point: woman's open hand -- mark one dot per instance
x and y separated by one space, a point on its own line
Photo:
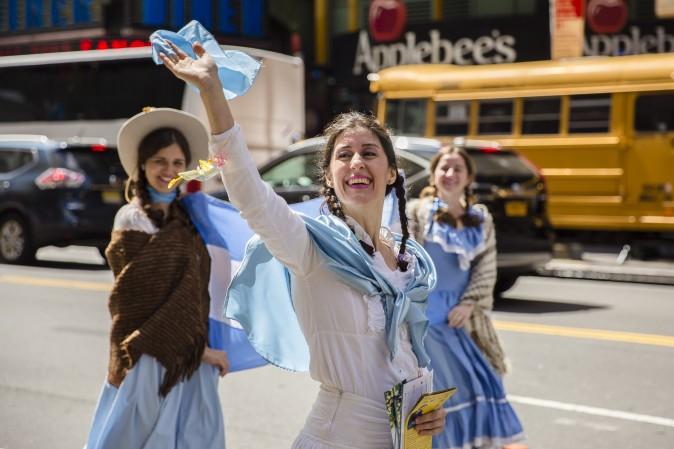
431 423
216 358
201 72
459 315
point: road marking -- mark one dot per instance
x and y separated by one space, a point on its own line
52 282
592 334
596 411
512 326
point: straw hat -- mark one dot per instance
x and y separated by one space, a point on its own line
140 125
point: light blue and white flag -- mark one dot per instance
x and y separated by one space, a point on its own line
225 234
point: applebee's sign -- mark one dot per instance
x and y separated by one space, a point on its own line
487 49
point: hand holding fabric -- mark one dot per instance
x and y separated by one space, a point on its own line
459 315
216 358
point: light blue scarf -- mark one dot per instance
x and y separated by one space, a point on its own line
260 295
236 69
159 197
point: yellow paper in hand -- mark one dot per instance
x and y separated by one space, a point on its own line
427 403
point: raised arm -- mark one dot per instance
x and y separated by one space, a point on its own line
267 214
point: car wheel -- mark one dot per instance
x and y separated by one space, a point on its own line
15 242
503 284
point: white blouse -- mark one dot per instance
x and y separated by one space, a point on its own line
343 329
131 217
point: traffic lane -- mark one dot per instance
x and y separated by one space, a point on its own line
615 376
617 306
547 428
54 339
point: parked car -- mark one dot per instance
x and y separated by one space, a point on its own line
511 187
56 193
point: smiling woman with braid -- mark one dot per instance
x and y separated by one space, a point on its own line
338 295
459 236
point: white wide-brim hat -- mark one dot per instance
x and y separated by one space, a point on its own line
134 130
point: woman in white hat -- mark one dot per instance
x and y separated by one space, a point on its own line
161 389
357 290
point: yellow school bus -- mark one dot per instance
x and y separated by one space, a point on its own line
600 129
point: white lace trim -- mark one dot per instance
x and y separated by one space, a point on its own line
376 318
465 256
131 217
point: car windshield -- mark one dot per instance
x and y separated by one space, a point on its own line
490 165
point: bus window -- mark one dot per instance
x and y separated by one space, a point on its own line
541 115
406 117
654 113
86 91
452 118
589 113
495 117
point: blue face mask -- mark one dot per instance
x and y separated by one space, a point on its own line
158 197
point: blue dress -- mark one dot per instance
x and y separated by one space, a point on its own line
134 416
479 413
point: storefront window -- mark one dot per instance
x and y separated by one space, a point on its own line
480 8
339 17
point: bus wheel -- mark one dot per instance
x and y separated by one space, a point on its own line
16 246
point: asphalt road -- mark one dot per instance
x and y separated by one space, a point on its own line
592 363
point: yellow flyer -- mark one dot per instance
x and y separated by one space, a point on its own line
426 403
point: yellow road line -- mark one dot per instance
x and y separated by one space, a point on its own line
591 334
511 326
52 282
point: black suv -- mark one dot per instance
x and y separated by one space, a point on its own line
56 193
506 183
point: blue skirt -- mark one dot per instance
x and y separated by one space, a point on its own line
134 416
479 413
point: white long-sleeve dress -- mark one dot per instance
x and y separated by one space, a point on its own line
344 330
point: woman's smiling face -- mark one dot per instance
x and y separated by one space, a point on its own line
451 176
163 166
359 170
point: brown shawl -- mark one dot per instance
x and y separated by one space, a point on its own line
480 288
159 303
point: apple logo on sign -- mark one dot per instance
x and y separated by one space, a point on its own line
387 19
606 16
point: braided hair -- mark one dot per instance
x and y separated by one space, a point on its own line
354 120
148 147
443 215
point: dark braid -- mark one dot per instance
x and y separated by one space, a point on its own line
333 202
140 190
399 186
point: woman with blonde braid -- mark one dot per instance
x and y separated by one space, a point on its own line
460 239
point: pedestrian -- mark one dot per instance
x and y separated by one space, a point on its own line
459 236
161 390
357 290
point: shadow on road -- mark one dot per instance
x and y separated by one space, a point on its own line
519 305
63 265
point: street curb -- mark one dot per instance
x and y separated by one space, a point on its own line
580 269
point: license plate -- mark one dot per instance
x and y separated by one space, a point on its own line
516 208
111 197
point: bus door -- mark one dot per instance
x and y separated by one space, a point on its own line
651 162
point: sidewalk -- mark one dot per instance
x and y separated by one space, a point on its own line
605 266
